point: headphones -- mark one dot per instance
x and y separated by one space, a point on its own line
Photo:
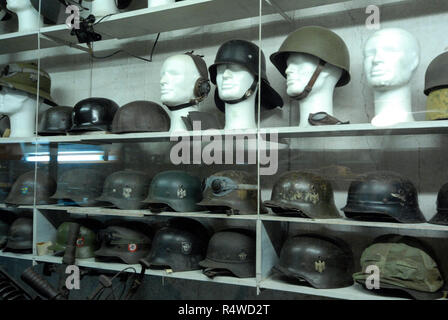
202 86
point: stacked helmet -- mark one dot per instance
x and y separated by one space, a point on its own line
441 216
81 186
125 189
245 54
22 192
323 262
231 191
141 116
383 196
174 190
303 194
24 77
93 114
123 243
20 237
86 242
318 42
180 246
56 120
230 252
436 88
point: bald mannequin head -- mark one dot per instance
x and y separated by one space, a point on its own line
391 57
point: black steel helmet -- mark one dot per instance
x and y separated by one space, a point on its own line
81 186
246 54
123 243
126 189
179 246
441 216
56 120
50 10
304 194
93 114
20 237
231 191
141 116
323 262
233 251
22 192
175 190
383 196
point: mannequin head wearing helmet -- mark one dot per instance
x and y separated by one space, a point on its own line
233 81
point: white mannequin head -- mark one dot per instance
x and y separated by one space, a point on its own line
29 18
177 80
103 8
19 5
390 58
156 3
233 81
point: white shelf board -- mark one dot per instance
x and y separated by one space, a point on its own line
16 255
18 41
348 222
17 140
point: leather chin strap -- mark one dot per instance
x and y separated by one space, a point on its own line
213 272
184 105
246 96
310 85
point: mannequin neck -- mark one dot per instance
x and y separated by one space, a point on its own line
23 123
317 101
103 8
393 106
177 124
241 115
29 19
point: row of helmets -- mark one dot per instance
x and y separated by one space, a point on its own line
16 234
402 263
231 191
180 244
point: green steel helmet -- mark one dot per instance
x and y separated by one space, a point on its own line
20 237
175 190
303 194
436 76
126 189
80 187
22 192
231 191
24 77
318 42
86 243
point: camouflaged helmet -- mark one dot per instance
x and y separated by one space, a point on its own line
22 192
126 189
322 262
174 190
441 216
93 114
230 252
20 237
179 246
383 196
232 192
24 77
303 194
56 121
436 88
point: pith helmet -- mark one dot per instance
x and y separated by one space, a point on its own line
318 42
55 121
24 77
22 192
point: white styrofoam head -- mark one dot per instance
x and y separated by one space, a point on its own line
18 5
233 81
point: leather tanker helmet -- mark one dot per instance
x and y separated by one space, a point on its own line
180 246
20 237
383 196
231 191
436 88
93 114
141 116
245 54
322 262
124 244
441 216
126 189
303 194
56 121
79 187
231 253
318 42
22 192
174 190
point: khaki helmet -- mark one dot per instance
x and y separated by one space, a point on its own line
318 42
436 88
24 77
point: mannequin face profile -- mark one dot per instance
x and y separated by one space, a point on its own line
12 101
390 58
177 80
233 81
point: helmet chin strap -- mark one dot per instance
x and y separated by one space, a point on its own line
246 96
310 85
183 105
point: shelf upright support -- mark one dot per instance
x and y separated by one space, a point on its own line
280 11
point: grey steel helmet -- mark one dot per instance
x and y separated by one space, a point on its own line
20 237
80 187
22 192
126 189
436 76
56 121
230 252
174 190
